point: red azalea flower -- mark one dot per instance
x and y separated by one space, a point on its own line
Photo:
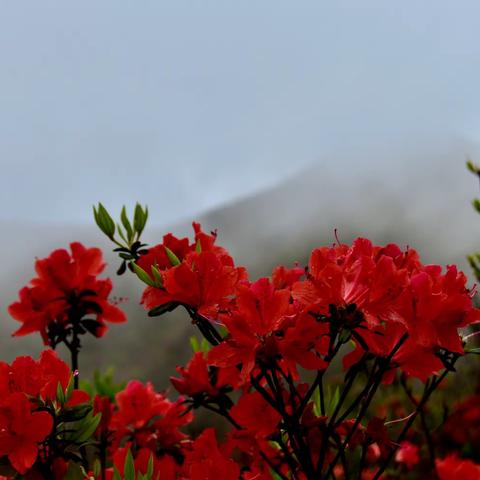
206 462
41 378
250 448
66 283
148 417
368 276
437 306
253 413
411 358
157 255
463 425
259 311
263 326
302 343
407 454
204 279
453 467
286 277
394 294
345 428
103 405
314 427
59 468
378 432
196 379
21 430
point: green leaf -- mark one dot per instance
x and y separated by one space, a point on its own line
475 351
60 394
174 260
116 474
222 330
70 387
104 384
476 204
76 413
87 387
89 425
150 467
316 402
96 216
198 246
140 218
97 468
331 400
474 262
194 344
104 221
205 347
126 223
129 468
472 167
122 235
345 336
98 221
157 276
161 309
143 275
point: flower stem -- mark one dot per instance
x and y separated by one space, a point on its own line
74 347
403 433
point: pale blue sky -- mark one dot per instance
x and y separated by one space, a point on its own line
186 105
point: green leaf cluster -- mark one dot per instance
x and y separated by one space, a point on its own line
153 281
103 384
128 230
129 472
199 346
129 247
63 396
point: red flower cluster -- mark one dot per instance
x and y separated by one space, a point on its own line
395 310
197 379
39 379
394 296
28 395
453 467
148 424
264 324
144 422
386 299
21 430
271 343
65 290
463 425
200 275
206 461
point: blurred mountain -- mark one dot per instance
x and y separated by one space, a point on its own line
416 199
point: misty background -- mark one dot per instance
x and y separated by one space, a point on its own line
272 121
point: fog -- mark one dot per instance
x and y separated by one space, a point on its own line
188 105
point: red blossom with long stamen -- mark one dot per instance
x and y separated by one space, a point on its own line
66 280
